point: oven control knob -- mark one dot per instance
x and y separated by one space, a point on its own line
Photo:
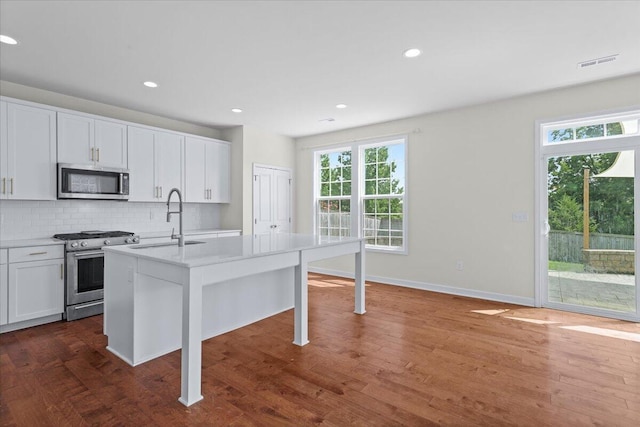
136 239
83 244
107 242
74 244
128 240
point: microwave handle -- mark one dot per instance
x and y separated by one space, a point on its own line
121 184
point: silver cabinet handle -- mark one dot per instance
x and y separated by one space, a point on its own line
38 253
156 194
11 185
98 151
62 271
92 153
4 185
161 191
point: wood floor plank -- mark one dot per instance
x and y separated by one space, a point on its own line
415 358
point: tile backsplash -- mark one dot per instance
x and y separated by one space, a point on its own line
26 219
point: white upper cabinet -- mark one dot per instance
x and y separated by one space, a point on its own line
207 170
85 140
27 152
155 164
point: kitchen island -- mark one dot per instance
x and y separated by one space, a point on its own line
158 298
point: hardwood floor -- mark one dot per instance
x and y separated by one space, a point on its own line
414 359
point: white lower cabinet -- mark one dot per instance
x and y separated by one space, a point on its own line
35 288
4 290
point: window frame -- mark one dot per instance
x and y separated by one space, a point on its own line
357 197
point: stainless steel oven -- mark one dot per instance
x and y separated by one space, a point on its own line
84 269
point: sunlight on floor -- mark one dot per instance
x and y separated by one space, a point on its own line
629 336
536 321
490 312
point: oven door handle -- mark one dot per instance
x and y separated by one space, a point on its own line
88 254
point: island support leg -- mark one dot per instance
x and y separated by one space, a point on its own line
360 280
301 301
191 366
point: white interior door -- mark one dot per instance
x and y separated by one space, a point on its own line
271 200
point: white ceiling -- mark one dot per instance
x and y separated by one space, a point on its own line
288 63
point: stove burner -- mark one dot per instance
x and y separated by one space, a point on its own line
92 234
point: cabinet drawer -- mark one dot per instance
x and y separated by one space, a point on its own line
3 256
36 253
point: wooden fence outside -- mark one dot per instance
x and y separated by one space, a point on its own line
566 246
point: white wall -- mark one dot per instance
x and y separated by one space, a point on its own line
469 170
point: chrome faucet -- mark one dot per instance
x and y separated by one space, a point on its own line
180 236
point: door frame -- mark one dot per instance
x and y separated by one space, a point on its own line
253 195
542 154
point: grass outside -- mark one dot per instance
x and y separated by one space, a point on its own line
566 266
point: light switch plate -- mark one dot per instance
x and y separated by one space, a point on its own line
519 217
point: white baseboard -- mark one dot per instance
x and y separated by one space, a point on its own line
491 296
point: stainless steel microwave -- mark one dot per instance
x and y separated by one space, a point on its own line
77 181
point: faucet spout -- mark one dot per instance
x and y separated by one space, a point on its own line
179 236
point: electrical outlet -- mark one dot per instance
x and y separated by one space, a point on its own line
459 265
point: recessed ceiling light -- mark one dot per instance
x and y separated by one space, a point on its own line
236 110
412 53
328 119
150 84
341 106
7 39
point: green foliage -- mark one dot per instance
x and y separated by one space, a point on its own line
611 199
566 215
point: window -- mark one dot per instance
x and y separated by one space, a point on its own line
600 128
360 191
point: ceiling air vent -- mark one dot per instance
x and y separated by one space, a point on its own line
598 61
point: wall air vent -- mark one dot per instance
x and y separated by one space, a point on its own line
598 61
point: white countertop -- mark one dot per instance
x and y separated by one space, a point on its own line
21 243
225 249
45 241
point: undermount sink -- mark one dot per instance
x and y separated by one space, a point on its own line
160 245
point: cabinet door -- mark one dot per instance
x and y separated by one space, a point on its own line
4 291
168 156
4 141
195 161
142 187
75 139
31 153
111 144
35 289
218 159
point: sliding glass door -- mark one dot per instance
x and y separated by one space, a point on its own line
588 190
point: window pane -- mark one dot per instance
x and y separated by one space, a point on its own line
324 190
346 188
560 135
370 171
336 189
384 186
594 131
370 187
